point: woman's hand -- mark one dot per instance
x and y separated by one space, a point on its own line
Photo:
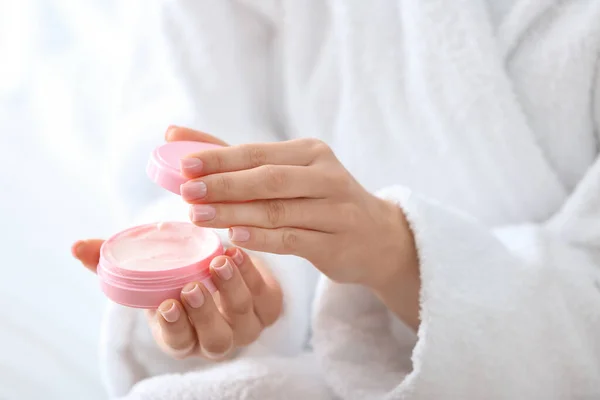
296 198
248 300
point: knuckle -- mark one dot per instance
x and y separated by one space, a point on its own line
203 317
242 305
255 286
289 240
275 178
217 161
179 346
320 147
223 183
340 182
175 333
275 210
218 345
256 156
248 336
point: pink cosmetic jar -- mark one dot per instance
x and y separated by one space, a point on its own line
143 266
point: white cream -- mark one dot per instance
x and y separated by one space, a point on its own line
162 246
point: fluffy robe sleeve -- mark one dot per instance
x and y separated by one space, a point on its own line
506 313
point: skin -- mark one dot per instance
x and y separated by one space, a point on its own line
291 197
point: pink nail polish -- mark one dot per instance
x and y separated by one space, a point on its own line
193 296
223 268
203 212
239 234
191 166
193 190
237 257
171 314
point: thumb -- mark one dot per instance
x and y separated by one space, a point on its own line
87 252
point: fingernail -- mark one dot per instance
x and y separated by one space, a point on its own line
170 131
237 257
239 234
190 166
76 249
203 212
223 268
170 314
193 190
193 296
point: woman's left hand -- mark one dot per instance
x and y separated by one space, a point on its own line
296 198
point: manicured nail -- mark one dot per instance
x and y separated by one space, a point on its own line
193 190
170 131
222 266
76 249
239 234
194 296
237 257
191 166
203 212
170 314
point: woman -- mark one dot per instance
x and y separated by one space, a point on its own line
481 122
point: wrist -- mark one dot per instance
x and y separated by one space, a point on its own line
398 284
397 253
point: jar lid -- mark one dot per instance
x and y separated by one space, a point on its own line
164 166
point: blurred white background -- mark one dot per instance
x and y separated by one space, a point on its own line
59 75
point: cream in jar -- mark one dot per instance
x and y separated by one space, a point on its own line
145 265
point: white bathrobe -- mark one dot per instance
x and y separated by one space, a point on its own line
480 119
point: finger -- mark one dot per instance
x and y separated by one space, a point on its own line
314 214
266 182
264 288
299 152
215 336
87 252
177 336
300 242
177 133
236 301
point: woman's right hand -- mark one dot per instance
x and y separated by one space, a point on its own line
249 299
